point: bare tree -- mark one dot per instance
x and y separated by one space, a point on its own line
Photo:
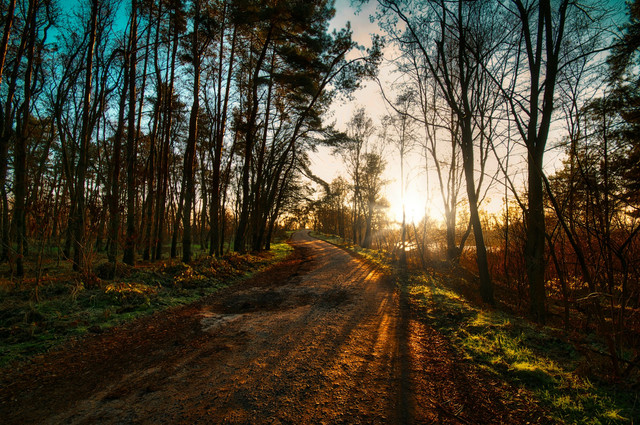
190 154
85 133
360 128
402 126
128 256
461 37
543 44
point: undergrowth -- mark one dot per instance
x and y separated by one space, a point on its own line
514 349
33 319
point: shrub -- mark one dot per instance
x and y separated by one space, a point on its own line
131 293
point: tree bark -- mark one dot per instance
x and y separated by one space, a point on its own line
189 157
128 256
22 133
79 245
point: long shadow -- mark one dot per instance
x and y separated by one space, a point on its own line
405 401
403 405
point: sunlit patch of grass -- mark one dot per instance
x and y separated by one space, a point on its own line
131 292
521 353
379 258
336 240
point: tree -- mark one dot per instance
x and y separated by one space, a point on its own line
68 105
34 33
624 77
588 198
372 185
545 43
190 154
220 120
360 128
625 51
437 118
85 132
294 56
170 115
128 256
462 35
402 125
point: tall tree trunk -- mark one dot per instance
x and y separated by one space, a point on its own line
130 239
176 228
215 215
6 130
486 285
190 154
355 214
85 133
114 195
148 220
548 39
243 220
151 171
261 211
368 237
20 152
163 171
226 178
403 237
534 247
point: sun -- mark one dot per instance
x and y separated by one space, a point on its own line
415 206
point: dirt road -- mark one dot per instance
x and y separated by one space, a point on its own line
320 338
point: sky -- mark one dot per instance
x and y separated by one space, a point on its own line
421 195
327 166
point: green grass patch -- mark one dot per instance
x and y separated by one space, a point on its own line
32 322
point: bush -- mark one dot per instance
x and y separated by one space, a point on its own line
131 293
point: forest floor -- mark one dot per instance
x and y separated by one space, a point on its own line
322 337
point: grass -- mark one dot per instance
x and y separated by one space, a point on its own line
514 349
65 307
523 354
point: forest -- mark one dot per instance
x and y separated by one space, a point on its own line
484 92
129 127
151 134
